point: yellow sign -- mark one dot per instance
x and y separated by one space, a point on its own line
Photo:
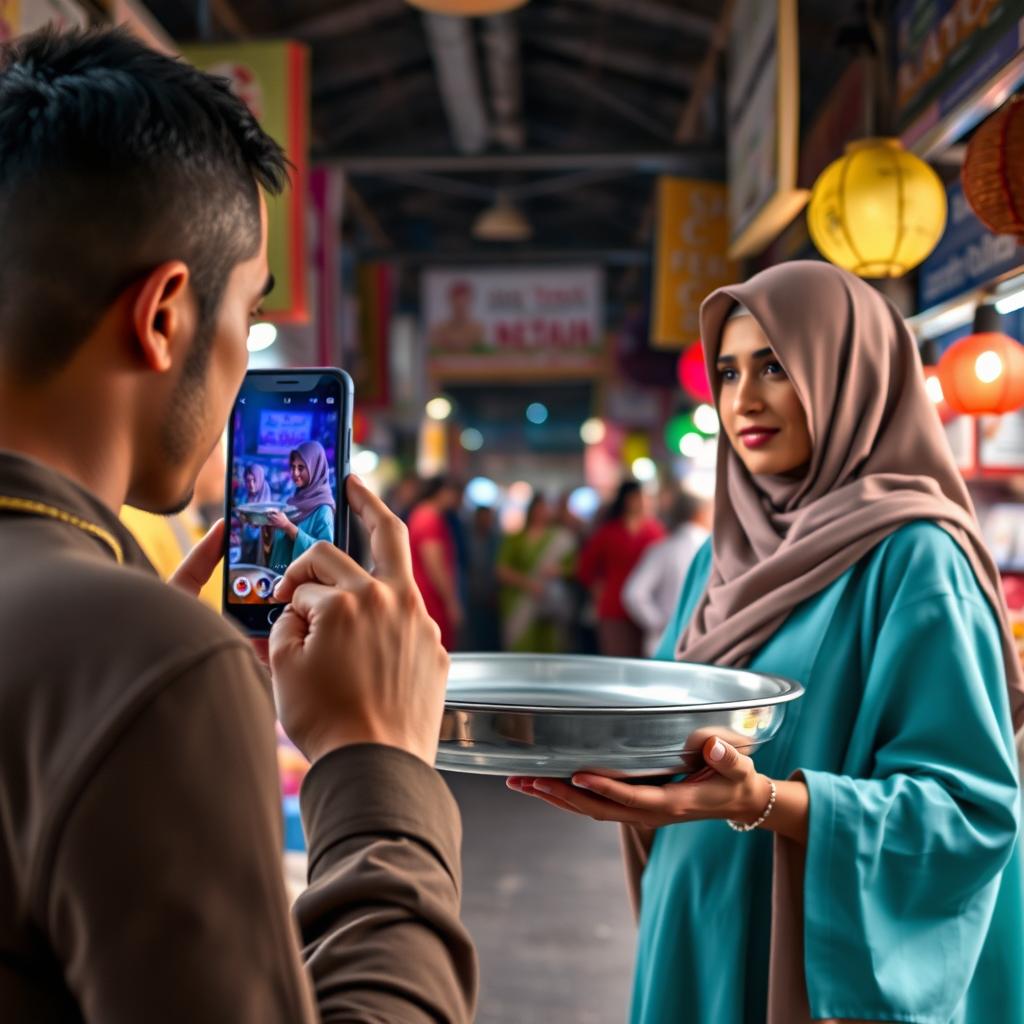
690 256
273 79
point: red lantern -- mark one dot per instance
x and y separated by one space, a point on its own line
993 171
983 375
693 375
934 388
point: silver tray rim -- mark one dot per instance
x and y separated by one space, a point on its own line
792 690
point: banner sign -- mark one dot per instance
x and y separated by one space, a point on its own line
273 79
690 256
283 432
968 255
763 103
947 48
514 321
20 16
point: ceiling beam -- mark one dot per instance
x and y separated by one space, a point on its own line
663 15
689 121
337 121
696 161
633 64
607 97
346 19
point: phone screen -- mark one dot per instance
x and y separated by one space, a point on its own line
289 442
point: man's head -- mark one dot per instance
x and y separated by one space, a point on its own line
132 241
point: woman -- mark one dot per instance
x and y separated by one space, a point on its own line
846 555
606 563
315 506
532 567
256 540
434 552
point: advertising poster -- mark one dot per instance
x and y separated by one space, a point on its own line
763 103
967 256
947 48
690 256
514 321
273 79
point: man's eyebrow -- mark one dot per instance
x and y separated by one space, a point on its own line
268 286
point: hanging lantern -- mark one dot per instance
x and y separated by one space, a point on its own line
933 386
693 374
878 210
993 171
983 375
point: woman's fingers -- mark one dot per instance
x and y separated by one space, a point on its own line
659 799
568 797
726 760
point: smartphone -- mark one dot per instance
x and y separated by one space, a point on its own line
289 447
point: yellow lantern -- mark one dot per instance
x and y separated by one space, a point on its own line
877 210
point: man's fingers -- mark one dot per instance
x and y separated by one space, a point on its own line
194 573
389 539
322 563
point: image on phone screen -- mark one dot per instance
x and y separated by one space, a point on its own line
288 453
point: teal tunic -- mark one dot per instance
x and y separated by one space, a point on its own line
318 526
914 879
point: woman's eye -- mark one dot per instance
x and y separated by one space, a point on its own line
774 369
728 375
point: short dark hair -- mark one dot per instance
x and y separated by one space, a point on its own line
684 509
113 159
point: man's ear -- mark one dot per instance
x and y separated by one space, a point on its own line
162 309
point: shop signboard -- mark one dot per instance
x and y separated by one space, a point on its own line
690 256
763 102
945 49
273 79
20 16
1001 443
513 321
968 255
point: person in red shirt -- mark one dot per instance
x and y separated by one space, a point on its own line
434 562
606 562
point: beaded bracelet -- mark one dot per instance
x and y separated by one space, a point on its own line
764 817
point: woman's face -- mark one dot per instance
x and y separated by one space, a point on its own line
759 408
300 472
250 483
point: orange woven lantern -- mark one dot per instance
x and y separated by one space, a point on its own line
983 375
993 171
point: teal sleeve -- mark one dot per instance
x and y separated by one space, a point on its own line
693 587
902 866
319 526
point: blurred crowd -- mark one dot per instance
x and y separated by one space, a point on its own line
559 584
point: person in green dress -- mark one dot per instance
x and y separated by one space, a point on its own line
314 502
533 566
882 878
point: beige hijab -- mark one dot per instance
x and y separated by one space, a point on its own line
880 460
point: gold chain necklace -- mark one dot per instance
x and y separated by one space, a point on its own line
38 508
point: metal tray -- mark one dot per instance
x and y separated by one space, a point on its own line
257 513
553 715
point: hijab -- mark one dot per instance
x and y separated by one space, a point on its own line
263 492
318 491
879 461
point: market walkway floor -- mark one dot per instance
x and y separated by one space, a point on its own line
545 900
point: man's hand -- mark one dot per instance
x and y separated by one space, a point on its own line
356 658
194 573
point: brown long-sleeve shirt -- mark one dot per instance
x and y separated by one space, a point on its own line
140 820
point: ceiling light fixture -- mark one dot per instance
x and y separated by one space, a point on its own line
502 222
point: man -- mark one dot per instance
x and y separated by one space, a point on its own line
652 591
140 828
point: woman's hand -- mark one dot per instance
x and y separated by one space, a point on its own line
729 787
279 521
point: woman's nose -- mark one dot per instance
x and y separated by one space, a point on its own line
748 396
